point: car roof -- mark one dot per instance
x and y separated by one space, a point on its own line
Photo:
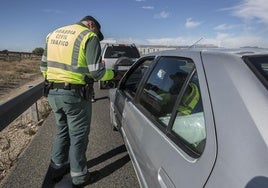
231 51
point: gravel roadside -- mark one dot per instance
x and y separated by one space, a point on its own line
16 137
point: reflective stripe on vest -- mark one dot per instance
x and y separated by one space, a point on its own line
190 100
76 47
72 68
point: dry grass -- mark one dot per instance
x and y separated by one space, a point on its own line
17 73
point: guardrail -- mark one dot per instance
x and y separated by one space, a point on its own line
17 56
13 108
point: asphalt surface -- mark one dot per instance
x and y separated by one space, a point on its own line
106 153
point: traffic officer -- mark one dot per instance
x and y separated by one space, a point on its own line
70 63
189 100
191 96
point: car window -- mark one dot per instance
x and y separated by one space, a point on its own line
189 123
135 75
121 51
163 86
259 65
172 96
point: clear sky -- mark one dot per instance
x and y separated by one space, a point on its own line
225 23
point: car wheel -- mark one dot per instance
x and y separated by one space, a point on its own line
101 85
115 128
107 84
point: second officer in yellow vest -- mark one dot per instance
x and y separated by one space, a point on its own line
71 60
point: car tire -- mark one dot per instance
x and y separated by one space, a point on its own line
115 128
123 61
101 84
107 84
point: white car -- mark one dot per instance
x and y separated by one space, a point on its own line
118 57
196 118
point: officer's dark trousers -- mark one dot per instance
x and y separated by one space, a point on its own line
73 116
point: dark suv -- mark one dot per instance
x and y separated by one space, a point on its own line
118 57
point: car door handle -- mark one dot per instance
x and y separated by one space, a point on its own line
164 179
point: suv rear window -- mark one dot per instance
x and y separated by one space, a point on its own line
121 51
259 65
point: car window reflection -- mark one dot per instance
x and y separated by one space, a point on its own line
133 79
160 90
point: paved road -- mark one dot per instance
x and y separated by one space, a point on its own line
106 153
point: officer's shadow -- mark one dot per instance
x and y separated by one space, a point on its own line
101 98
105 171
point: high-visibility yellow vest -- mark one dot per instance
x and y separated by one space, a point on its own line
189 101
65 55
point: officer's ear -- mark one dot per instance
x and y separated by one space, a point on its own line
91 25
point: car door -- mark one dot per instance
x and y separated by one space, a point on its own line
128 87
169 149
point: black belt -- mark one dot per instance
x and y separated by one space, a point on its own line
65 85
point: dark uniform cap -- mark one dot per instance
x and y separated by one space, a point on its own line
90 18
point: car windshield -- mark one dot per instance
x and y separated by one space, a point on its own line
259 65
121 51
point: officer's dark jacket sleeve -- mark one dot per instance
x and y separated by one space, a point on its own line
93 57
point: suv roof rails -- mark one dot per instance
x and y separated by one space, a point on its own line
116 44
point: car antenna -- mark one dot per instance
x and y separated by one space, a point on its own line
195 43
